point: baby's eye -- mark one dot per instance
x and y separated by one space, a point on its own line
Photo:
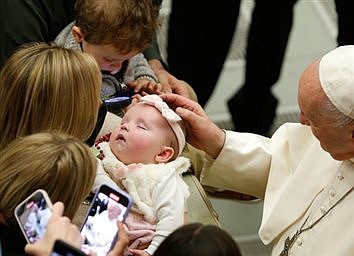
142 126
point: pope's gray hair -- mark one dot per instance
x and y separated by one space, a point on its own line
339 119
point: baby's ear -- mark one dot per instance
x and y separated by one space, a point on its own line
165 154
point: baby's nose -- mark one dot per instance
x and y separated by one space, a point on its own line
125 127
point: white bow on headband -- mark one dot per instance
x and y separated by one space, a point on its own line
171 117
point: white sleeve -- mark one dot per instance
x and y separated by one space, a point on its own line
169 203
246 159
242 165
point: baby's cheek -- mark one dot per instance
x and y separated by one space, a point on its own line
114 134
142 145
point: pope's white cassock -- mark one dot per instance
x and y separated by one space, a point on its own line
303 187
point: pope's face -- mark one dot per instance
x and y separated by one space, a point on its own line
337 141
113 210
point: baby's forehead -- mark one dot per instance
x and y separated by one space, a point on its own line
144 111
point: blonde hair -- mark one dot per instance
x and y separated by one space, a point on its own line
46 87
60 164
128 25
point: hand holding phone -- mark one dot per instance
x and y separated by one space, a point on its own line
33 214
99 228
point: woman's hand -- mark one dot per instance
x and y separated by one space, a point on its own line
122 242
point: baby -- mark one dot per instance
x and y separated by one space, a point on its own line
142 156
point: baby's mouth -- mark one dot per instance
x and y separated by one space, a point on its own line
120 137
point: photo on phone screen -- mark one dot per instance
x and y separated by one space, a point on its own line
99 228
33 215
64 249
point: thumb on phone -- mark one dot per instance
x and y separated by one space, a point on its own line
122 242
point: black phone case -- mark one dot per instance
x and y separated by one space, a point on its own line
64 249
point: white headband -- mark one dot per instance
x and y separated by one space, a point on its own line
336 72
172 118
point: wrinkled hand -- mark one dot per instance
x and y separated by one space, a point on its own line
59 227
202 133
122 242
169 83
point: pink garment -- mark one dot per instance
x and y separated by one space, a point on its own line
140 231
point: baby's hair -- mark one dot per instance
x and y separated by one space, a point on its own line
128 25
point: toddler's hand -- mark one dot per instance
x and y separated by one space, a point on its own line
144 87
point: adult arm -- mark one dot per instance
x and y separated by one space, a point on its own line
243 165
236 161
153 51
169 83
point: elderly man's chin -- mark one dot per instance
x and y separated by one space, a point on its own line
341 156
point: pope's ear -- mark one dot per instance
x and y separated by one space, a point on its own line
76 31
165 154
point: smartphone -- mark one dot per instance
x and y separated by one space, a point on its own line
99 228
64 249
118 101
33 215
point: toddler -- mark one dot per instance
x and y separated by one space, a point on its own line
115 33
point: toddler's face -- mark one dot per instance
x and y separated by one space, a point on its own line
142 134
107 56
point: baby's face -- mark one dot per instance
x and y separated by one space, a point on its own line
141 136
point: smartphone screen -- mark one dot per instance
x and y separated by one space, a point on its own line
63 249
33 215
99 228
